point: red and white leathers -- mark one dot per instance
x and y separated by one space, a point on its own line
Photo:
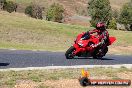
103 36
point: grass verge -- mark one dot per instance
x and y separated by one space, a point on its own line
39 77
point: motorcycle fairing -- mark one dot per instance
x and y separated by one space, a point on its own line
111 40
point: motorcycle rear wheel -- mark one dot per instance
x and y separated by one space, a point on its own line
99 56
69 53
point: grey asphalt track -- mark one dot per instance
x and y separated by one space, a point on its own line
22 59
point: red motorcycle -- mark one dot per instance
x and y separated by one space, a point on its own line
83 46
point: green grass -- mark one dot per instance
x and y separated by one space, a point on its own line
10 78
18 31
124 38
27 32
22 1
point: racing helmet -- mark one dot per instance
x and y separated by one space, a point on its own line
101 26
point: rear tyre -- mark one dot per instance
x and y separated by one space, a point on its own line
98 55
105 51
69 53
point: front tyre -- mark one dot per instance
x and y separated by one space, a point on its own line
69 53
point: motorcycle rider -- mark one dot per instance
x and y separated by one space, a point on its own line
102 34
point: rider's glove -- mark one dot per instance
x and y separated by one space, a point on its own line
96 45
93 46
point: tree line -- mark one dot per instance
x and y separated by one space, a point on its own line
99 10
54 12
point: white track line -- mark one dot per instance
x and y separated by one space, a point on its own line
129 66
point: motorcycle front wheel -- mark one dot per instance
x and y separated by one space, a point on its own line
69 53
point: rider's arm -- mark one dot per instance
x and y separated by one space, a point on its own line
103 37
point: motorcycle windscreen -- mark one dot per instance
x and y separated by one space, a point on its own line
111 40
86 36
